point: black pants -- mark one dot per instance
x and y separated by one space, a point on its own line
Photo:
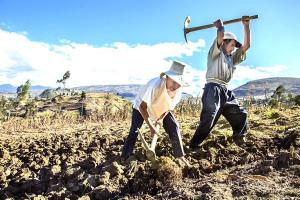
170 125
217 100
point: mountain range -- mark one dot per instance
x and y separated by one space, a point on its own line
7 88
265 86
258 87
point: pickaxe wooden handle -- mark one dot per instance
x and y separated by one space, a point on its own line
188 20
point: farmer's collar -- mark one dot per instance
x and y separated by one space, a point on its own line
225 53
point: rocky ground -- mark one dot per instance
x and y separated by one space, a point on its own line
82 161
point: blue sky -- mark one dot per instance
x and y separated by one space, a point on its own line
119 42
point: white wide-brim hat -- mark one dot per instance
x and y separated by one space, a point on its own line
176 72
232 36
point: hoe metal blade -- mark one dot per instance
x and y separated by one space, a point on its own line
150 151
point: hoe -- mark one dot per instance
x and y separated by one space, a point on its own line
150 150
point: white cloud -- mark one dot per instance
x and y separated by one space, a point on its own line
249 72
118 63
195 80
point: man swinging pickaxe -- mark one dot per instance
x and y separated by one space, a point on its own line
224 56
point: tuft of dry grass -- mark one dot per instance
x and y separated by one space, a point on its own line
168 172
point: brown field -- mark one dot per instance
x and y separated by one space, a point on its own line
59 155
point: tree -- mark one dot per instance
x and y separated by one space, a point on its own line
273 102
23 92
280 90
291 98
277 98
65 77
83 95
3 102
3 107
297 100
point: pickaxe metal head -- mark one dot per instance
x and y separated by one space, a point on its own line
186 24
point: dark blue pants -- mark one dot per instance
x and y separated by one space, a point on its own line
217 100
170 125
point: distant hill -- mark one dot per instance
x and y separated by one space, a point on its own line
7 88
268 85
255 88
126 91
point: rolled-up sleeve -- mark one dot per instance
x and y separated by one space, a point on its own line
146 94
214 51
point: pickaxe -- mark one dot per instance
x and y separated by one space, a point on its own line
188 20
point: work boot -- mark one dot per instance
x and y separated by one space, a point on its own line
194 147
239 139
